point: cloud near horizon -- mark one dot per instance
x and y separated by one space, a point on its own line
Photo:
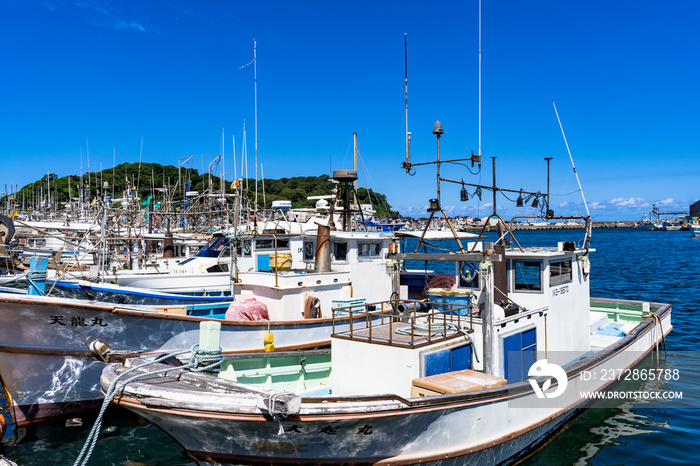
630 202
666 202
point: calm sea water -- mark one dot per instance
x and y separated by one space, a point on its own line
652 266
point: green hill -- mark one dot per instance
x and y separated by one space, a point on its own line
151 178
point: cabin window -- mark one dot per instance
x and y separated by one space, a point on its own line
340 251
560 272
527 275
452 359
468 275
308 250
269 243
218 268
214 248
519 352
368 249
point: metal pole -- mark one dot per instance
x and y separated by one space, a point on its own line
548 159
490 336
438 170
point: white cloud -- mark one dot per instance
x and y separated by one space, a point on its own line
131 25
93 6
597 206
666 202
621 202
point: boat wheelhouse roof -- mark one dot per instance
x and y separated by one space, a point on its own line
436 234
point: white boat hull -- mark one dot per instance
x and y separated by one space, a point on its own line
492 426
47 370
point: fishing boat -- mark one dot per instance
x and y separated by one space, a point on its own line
493 363
695 228
645 224
49 334
477 381
669 225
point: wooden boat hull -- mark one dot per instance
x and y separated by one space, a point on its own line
490 426
47 370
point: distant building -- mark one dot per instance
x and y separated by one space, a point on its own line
695 209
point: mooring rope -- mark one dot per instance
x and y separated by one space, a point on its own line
200 360
271 408
39 276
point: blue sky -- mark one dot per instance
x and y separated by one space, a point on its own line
623 74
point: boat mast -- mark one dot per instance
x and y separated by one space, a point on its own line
255 75
405 86
223 166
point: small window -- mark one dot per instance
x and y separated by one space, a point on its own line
559 273
264 244
269 243
218 268
527 276
340 251
368 249
214 248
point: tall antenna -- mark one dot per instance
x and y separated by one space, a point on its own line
138 179
479 78
254 62
233 144
405 86
114 162
223 165
255 75
87 142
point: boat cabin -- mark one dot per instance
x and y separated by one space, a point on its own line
287 283
546 315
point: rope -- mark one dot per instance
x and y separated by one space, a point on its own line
197 357
38 276
657 321
16 278
271 408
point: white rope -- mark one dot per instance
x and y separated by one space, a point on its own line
197 357
271 408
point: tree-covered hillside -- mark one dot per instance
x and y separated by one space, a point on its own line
167 180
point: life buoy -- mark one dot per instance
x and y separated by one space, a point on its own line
309 250
467 272
312 308
7 229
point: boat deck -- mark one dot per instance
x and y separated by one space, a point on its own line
405 332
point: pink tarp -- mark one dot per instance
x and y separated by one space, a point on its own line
249 309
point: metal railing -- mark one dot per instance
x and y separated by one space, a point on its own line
423 322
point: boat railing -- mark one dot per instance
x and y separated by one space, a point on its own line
404 323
